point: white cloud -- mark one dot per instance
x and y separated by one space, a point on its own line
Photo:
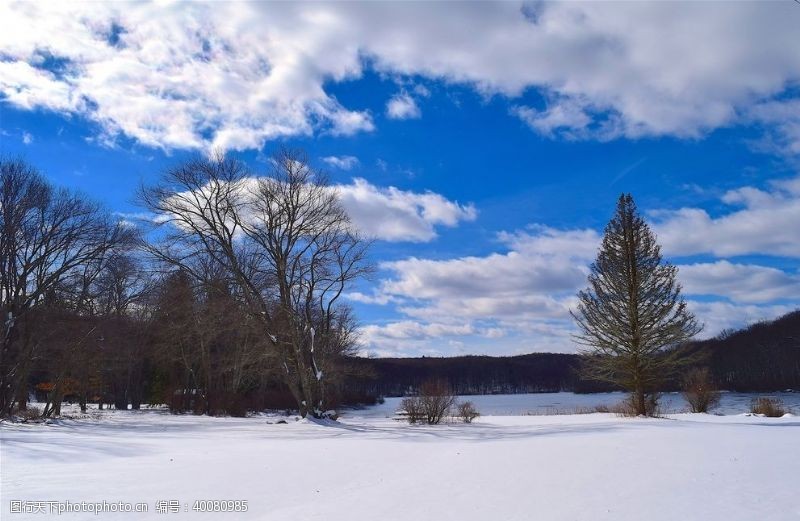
233 75
27 138
763 222
718 316
392 214
414 338
384 213
374 298
537 277
341 162
193 76
739 282
783 119
493 299
567 117
523 295
409 329
402 106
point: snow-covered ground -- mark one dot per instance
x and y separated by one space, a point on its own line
575 467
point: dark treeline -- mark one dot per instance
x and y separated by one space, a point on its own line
225 299
762 357
533 373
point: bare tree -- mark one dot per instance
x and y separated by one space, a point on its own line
209 344
699 390
46 235
123 313
287 244
632 316
467 411
433 402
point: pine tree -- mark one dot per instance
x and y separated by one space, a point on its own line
632 316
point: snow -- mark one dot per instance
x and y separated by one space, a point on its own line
566 467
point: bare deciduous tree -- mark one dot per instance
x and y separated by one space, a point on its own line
46 236
699 390
431 405
285 241
467 411
632 316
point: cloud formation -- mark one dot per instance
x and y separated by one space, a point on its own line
402 106
524 294
392 214
741 283
760 221
341 162
232 75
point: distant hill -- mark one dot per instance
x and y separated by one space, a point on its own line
537 372
762 357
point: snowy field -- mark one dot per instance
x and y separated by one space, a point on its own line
570 467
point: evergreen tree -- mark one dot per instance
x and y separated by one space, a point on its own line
632 316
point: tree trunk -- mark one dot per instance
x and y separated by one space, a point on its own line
22 398
639 401
120 399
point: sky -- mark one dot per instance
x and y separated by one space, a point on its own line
482 146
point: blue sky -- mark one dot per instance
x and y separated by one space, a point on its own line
482 145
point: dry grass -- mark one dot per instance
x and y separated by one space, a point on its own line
31 414
556 411
770 407
627 409
467 412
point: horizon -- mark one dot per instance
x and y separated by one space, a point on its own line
485 183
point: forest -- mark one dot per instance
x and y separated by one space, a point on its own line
228 300
228 296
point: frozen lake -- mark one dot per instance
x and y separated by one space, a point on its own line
552 403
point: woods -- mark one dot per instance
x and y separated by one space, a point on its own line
235 285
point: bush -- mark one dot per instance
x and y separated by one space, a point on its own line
31 413
467 412
770 407
431 405
412 409
699 390
627 406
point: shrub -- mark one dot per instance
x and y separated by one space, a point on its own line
627 407
467 412
699 390
30 414
431 404
770 407
412 408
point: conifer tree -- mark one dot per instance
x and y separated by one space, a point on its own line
632 316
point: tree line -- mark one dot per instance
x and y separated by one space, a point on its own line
232 288
762 357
